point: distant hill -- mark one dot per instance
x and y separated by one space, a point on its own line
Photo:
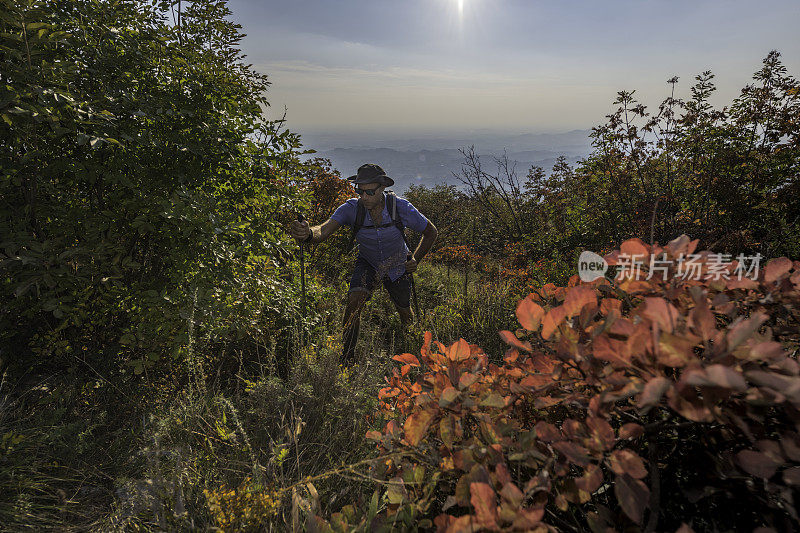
432 159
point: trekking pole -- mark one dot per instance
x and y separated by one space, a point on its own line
302 273
414 292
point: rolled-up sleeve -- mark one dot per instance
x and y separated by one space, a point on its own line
410 216
345 214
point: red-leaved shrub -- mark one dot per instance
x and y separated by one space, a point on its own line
643 405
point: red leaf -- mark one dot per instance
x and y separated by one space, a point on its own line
632 496
660 312
652 393
715 376
631 430
702 320
417 425
675 350
512 494
591 480
776 268
633 247
458 351
535 381
689 405
546 432
757 464
448 396
485 505
407 358
607 349
577 297
529 314
512 340
552 320
466 380
627 462
791 476
602 432
742 330
610 304
574 452
527 519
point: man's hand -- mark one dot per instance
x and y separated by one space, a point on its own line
411 265
299 230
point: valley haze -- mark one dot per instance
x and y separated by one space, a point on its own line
431 158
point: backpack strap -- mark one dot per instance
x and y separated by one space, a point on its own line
361 213
391 199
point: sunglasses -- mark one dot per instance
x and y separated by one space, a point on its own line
368 192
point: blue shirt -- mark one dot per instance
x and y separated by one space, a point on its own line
383 248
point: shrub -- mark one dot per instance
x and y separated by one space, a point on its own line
644 405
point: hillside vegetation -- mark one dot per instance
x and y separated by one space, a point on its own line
158 372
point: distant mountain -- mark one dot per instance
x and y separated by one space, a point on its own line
432 159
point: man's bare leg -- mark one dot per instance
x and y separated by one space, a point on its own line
352 321
406 316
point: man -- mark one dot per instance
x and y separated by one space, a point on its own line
382 252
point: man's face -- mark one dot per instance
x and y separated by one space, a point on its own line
375 199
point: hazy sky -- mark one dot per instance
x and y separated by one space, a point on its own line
514 65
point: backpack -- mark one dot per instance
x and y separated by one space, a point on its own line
361 213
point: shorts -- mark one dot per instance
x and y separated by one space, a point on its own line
364 278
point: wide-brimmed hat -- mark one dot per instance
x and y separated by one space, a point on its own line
371 173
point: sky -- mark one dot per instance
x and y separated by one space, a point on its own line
500 65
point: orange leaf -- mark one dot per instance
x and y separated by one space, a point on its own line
776 268
741 330
536 380
611 350
483 500
552 320
529 314
632 496
577 297
631 430
448 396
417 425
702 321
466 380
528 518
715 376
547 432
574 452
653 391
675 350
512 494
627 462
591 480
609 304
602 433
511 339
407 358
633 247
661 312
757 464
458 351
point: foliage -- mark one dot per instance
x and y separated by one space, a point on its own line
725 175
136 169
631 405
